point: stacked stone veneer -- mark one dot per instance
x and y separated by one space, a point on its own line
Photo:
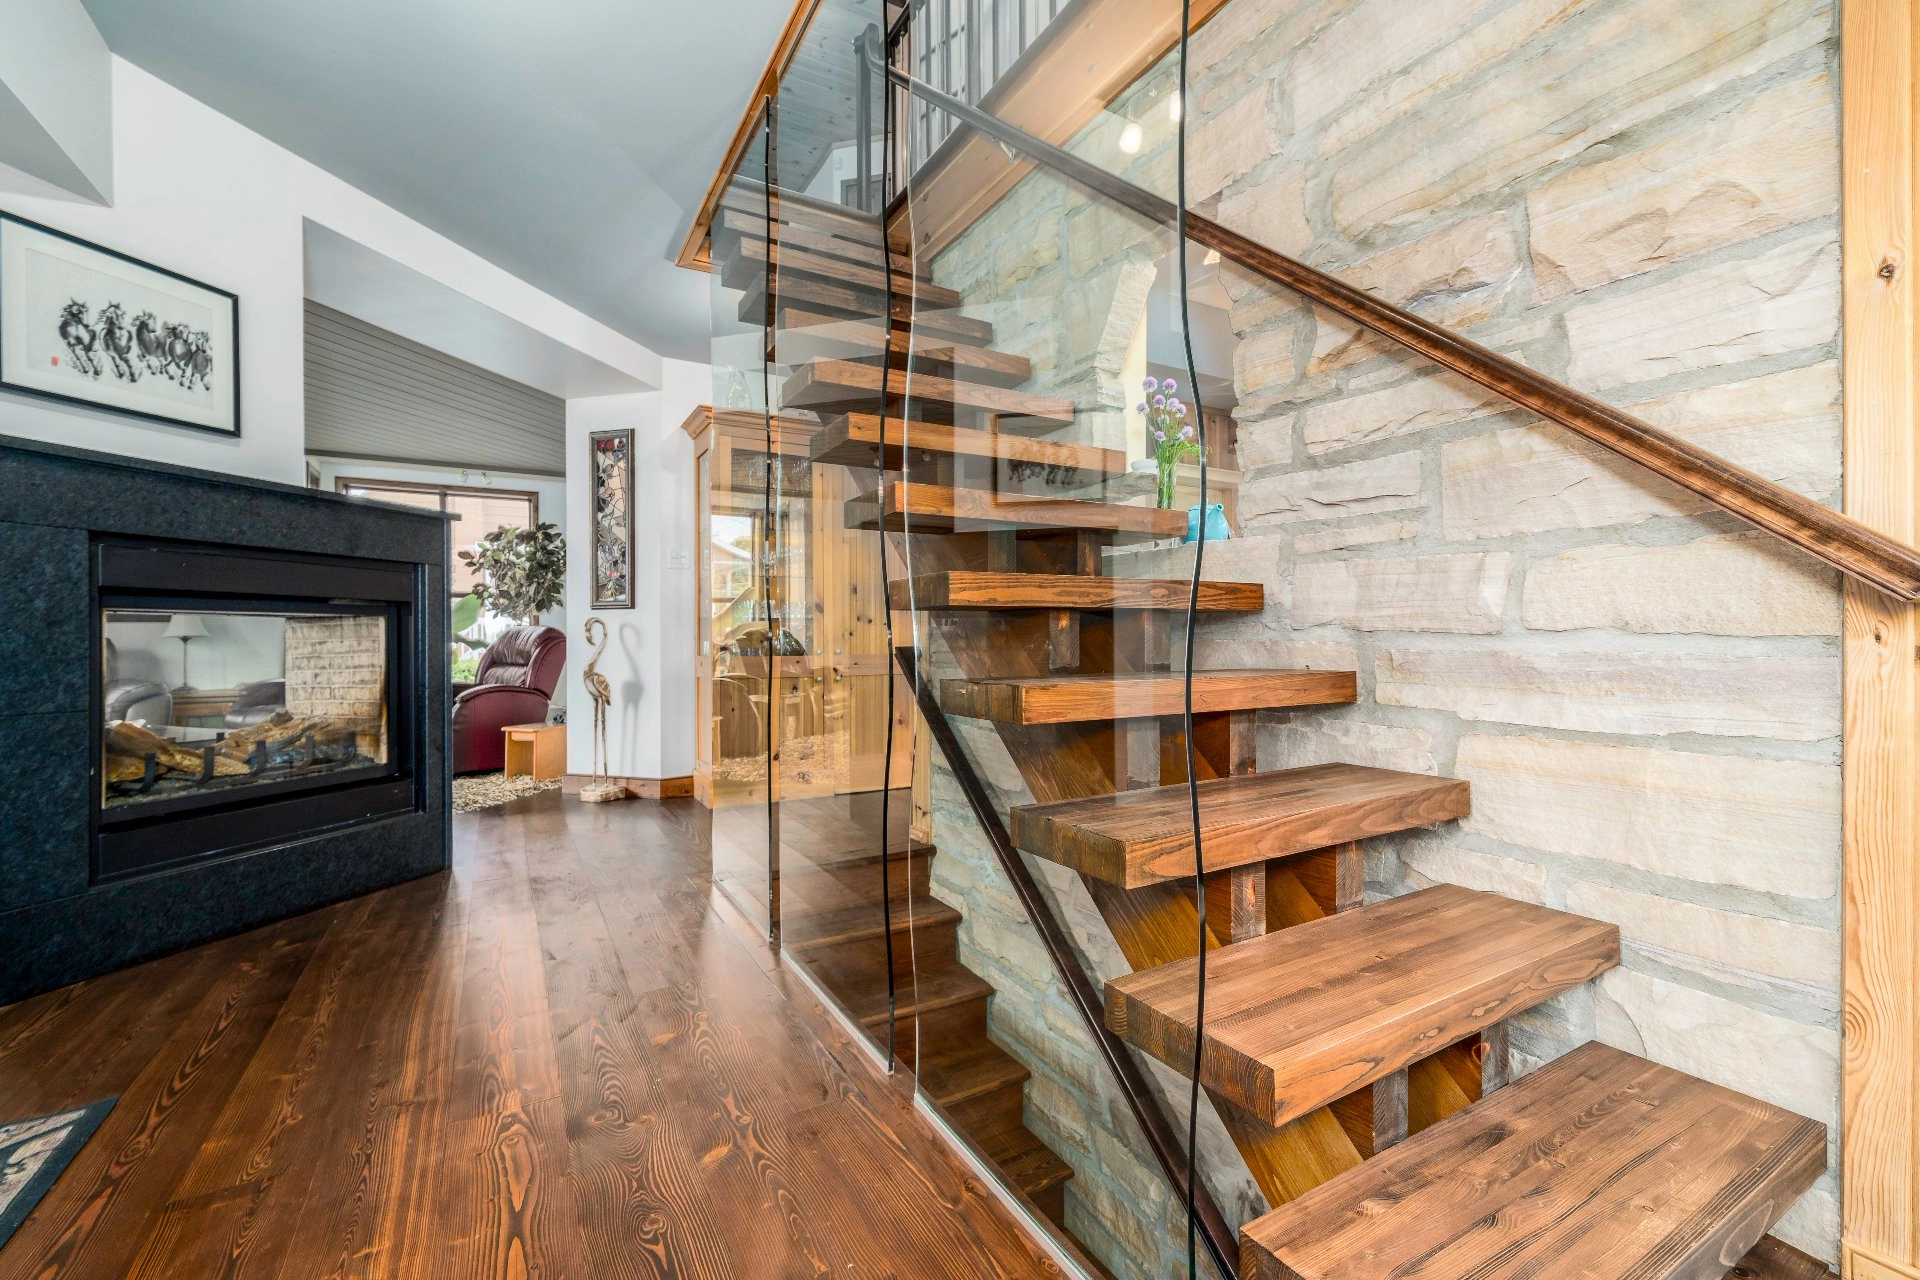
1641 200
337 669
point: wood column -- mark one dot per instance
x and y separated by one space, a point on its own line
1880 1172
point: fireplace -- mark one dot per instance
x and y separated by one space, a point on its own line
244 698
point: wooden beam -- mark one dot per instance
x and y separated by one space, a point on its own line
1880 1179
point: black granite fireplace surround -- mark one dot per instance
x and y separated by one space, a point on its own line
101 867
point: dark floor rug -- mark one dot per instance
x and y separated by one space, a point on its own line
33 1154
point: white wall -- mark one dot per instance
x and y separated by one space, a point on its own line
650 648
56 97
196 193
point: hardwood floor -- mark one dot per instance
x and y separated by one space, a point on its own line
562 1059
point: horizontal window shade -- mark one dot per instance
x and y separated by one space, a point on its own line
374 394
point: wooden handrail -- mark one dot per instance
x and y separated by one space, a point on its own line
1883 563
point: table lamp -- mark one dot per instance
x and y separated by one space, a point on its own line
185 627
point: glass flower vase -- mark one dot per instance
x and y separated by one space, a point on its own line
1164 496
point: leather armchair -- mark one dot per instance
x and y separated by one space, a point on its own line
514 685
254 702
142 700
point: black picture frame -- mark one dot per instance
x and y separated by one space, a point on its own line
216 296
599 596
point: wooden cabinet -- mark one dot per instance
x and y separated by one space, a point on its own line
792 633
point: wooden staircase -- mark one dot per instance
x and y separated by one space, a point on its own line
836 927
1356 1053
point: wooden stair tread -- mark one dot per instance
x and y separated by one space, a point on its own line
853 440
1600 1165
792 263
936 987
1032 1166
1300 1018
924 508
1138 838
808 336
822 295
1124 695
855 241
1774 1259
984 589
848 386
816 930
969 1071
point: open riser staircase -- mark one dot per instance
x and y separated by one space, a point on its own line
1355 1052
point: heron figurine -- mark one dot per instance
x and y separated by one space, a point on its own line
600 690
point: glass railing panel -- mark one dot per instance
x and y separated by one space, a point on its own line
846 758
1044 554
737 731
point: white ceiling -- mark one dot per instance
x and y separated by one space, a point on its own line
567 141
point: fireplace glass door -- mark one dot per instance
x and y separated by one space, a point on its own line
212 705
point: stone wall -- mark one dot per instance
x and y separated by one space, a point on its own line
1641 200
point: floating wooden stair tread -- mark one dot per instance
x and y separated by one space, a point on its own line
1772 1259
854 441
1302 1017
1031 1165
1138 838
793 264
807 336
859 304
816 931
848 386
856 242
930 992
1075 699
980 589
924 508
968 1071
1599 1165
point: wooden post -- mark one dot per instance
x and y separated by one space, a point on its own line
1880 1110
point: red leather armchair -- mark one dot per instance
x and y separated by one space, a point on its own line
517 676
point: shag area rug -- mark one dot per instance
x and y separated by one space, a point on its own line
487 790
33 1153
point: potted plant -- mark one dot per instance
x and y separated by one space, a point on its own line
522 573
1171 435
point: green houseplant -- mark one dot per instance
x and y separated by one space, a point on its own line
522 574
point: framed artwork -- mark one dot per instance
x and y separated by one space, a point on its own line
89 326
611 456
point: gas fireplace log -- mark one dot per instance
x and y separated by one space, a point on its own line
128 740
281 732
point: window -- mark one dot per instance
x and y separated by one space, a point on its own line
481 512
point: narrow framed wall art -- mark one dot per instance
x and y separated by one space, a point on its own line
611 458
86 325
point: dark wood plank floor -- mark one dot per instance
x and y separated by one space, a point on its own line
561 1060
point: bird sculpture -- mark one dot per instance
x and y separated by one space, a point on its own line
601 691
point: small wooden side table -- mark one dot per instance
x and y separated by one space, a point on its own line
537 749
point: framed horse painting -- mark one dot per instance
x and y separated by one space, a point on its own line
90 326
